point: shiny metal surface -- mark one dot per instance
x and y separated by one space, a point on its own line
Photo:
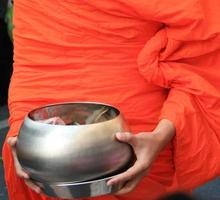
72 153
80 190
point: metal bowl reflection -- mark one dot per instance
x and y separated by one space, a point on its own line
78 146
80 190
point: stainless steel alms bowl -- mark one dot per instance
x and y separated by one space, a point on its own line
80 190
72 142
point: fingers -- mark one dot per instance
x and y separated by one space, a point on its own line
130 174
19 171
141 165
130 185
32 185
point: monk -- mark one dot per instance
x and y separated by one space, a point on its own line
157 61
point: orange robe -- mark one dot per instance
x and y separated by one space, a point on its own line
151 59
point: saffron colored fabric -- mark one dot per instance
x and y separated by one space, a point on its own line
151 59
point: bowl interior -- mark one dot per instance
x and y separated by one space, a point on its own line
74 113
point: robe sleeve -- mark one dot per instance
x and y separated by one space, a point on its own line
184 57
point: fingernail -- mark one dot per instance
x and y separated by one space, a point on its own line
109 183
119 134
26 176
37 190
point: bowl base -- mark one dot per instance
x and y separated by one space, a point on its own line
81 189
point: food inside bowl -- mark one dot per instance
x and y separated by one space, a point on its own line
86 117
54 120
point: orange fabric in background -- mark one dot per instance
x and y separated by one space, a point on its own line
151 59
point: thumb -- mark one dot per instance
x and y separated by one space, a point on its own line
126 137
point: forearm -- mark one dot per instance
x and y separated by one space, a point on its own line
164 132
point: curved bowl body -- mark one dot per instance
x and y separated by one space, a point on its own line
72 153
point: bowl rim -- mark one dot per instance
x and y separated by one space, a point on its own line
27 117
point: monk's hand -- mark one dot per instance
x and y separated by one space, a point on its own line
19 171
146 147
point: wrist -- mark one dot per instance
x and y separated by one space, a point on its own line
164 132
